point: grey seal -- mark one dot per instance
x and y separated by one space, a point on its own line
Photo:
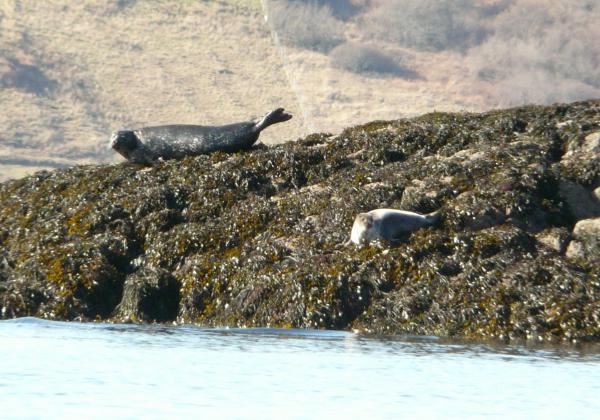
149 144
388 224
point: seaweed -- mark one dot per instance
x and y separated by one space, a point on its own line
256 238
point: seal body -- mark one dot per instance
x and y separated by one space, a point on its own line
149 144
388 224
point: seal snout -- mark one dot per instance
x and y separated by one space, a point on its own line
114 137
362 228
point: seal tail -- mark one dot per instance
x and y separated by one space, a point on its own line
434 218
273 117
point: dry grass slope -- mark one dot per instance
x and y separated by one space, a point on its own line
144 63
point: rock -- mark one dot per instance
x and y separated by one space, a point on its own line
587 239
423 197
472 214
562 124
591 144
575 250
581 162
580 201
149 295
414 195
470 155
554 238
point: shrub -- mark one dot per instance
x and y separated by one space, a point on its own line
429 25
341 9
559 38
26 77
540 87
305 25
362 59
541 51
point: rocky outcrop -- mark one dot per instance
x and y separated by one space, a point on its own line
257 238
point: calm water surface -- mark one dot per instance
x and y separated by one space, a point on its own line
59 370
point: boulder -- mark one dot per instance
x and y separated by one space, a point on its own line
586 241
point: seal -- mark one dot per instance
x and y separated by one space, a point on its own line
388 224
149 144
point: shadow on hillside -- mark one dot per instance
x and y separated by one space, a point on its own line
25 77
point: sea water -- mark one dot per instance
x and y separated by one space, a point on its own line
73 370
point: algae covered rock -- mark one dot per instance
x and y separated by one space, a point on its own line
149 295
257 238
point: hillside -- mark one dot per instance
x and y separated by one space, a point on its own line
99 67
70 74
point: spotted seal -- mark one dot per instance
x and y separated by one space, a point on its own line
388 224
149 144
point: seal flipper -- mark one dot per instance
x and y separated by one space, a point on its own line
142 156
273 117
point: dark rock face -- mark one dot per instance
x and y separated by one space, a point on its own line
255 238
149 295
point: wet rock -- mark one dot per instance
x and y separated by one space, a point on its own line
149 295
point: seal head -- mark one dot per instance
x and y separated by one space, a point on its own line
123 142
363 229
